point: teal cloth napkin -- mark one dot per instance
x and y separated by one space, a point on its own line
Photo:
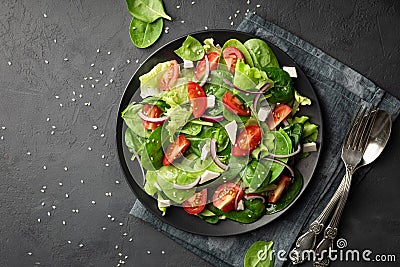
340 90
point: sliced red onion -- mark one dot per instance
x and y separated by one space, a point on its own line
206 73
282 163
214 156
286 156
140 165
144 117
240 90
255 100
237 198
213 119
156 185
285 122
187 186
251 196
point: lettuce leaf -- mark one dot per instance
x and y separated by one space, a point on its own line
310 130
247 77
178 117
177 95
210 47
149 81
299 100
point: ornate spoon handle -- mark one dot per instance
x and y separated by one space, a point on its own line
308 239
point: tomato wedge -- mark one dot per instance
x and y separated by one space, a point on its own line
175 150
247 141
169 77
231 56
196 203
213 59
278 115
197 98
234 104
151 111
283 183
225 195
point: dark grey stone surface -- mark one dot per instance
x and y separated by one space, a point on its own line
362 34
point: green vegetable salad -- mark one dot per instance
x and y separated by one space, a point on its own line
217 134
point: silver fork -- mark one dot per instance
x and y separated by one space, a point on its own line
352 151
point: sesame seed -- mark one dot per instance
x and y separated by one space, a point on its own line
73 99
112 219
193 2
66 59
205 27
98 50
43 204
258 5
137 60
111 80
48 213
117 182
85 78
64 223
103 156
109 215
46 61
133 28
104 228
66 195
130 239
61 105
55 41
237 11
126 257
94 127
65 169
120 254
148 252
102 135
235 15
44 167
28 153
80 96
41 190
109 52
81 245
89 148
116 246
106 84
93 202
112 69
92 85
73 92
47 119
9 63
82 181
248 2
38 220
97 80
121 224
182 21
107 165
162 252
44 187
101 72
53 207
30 253
52 132
92 65
45 15
60 184
69 242
232 23
128 61
178 7
81 85
125 234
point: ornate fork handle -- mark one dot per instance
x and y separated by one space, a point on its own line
308 239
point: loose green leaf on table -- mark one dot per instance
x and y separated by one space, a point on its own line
147 10
191 49
144 34
260 254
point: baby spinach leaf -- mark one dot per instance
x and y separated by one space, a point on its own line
191 49
147 10
254 210
144 34
261 53
255 174
283 146
288 196
152 155
295 132
191 128
237 44
260 254
282 91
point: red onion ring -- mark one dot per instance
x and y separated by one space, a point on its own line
213 119
140 165
213 152
285 122
206 73
240 90
237 200
251 196
144 117
187 186
255 100
286 156
282 163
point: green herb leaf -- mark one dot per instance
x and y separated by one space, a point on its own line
144 34
147 10
260 254
191 49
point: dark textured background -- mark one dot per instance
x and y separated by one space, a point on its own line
362 34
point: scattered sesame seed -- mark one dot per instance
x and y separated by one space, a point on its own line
60 184
61 105
109 215
106 84
45 15
65 169
258 5
130 239
182 21
46 61
178 7
55 41
109 52
54 127
101 72
52 132
121 224
137 60
28 153
3 127
116 246
9 63
111 80
248 2
89 148
64 223
44 167
107 165
92 85
120 254
38 220
125 234
98 50
66 195
148 252
69 242
102 135
41 190
93 202
80 95
87 104
30 253
97 80
81 245
103 156
73 92
232 23
230 17
81 85
128 61
235 15
82 181
94 127
73 99
47 119
112 219
126 257
66 59
133 28
193 2
92 65
43 204
85 78
104 228
205 27
117 182
162 252
237 11
112 69
53 207
48 213
44 187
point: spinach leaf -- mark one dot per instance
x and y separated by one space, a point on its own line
310 130
254 210
208 216
261 53
299 100
191 49
144 34
283 146
154 100
295 132
288 196
283 91
237 44
235 166
153 153
147 10
249 78
133 121
255 174
191 128
210 47
260 254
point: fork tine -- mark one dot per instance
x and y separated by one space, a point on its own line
354 127
362 124
350 131
367 131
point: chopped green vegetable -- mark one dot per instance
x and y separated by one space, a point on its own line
282 90
147 10
144 34
260 254
153 154
191 49
248 78
261 53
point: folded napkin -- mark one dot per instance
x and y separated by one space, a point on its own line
340 90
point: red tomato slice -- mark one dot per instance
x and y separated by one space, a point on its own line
278 115
151 111
175 150
169 77
213 59
283 183
231 55
225 195
234 104
247 141
196 203
197 98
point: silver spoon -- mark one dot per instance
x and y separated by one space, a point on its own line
378 139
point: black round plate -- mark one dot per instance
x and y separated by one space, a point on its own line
176 216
